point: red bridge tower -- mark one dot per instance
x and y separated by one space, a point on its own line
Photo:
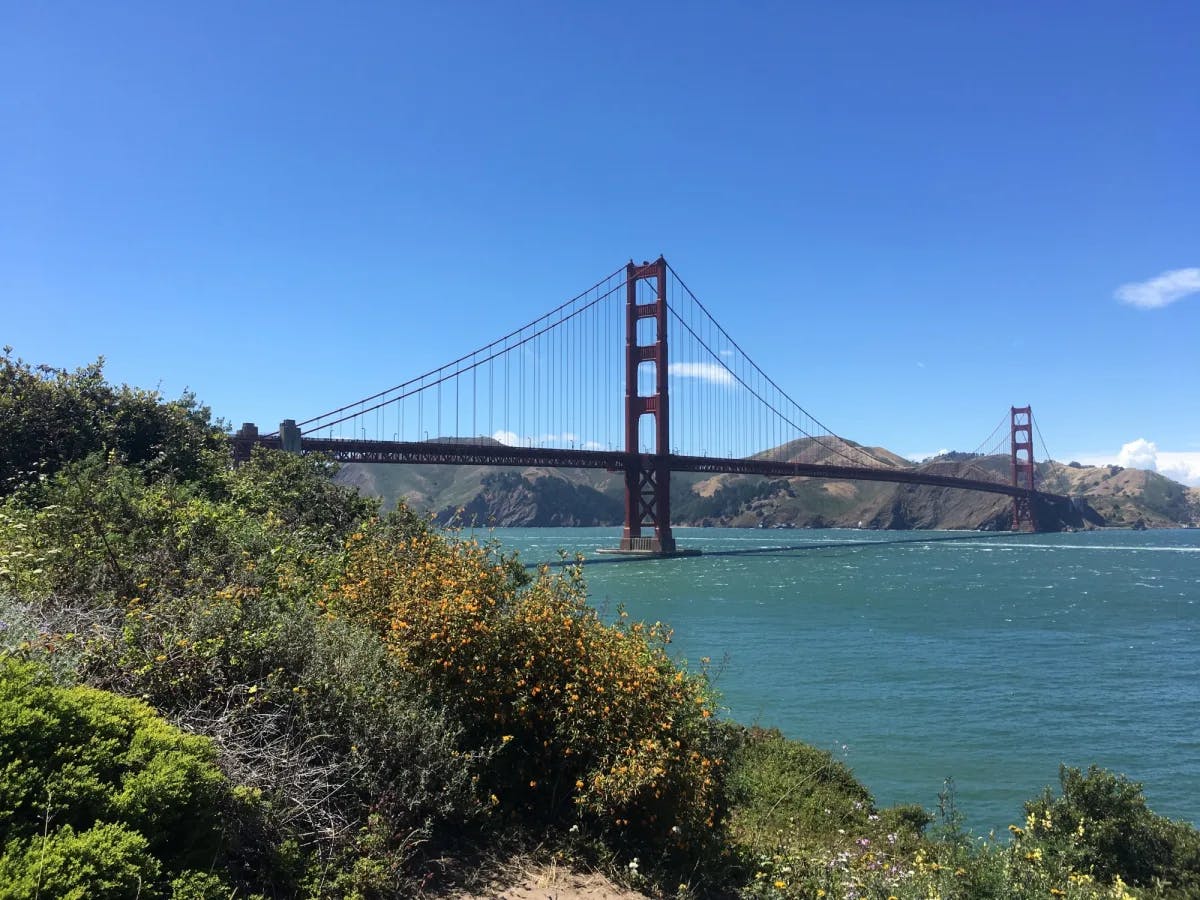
647 475
1023 518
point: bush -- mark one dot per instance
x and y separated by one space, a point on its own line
201 603
787 790
593 723
1100 826
98 795
51 417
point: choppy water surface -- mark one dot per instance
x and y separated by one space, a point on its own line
921 655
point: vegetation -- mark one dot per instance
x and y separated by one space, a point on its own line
511 498
220 682
102 796
727 501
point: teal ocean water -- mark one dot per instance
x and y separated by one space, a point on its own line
921 655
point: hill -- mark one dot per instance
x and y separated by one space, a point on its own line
1102 495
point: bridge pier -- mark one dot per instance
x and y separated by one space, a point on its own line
647 505
289 436
647 476
1023 516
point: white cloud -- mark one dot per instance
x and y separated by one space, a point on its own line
507 437
592 445
710 372
1161 291
1139 454
1181 466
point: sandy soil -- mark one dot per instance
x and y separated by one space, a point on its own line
552 883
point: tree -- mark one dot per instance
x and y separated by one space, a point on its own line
50 417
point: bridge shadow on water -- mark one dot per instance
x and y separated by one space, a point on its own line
780 551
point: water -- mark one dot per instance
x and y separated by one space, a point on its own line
917 656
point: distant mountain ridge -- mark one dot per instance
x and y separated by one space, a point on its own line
532 496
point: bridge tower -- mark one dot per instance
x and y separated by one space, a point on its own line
1023 518
647 475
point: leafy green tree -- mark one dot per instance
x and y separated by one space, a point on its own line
50 417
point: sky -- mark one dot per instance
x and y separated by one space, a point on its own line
912 215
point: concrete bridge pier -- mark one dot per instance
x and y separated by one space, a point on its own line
289 436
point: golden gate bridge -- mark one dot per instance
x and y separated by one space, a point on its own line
633 375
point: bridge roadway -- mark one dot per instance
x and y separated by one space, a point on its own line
353 450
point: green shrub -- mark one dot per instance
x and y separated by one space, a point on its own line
98 795
104 861
785 790
201 603
51 417
1100 826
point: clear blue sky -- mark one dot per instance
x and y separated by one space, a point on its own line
912 214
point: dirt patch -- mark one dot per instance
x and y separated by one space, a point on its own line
554 883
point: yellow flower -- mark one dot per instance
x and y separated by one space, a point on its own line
780 883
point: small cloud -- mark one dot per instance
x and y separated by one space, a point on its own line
920 365
1139 454
592 445
506 437
1181 466
1161 291
710 372
726 353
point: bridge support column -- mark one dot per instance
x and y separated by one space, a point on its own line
289 436
1023 517
243 442
647 476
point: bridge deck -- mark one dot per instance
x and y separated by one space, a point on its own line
462 453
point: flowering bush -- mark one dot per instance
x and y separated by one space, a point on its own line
202 603
869 855
1100 828
594 722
